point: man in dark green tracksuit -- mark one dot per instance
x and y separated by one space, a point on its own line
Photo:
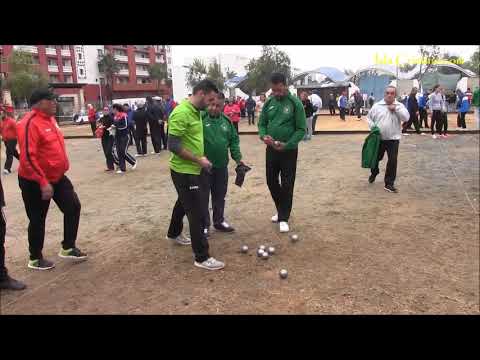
219 135
281 126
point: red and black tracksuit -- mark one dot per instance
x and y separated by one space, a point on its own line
9 136
43 160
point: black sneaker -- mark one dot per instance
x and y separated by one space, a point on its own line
371 179
224 227
73 253
390 188
40 264
8 283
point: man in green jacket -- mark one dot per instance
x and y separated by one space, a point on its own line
281 127
476 104
185 141
219 135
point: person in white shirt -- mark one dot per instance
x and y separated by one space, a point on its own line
317 106
388 115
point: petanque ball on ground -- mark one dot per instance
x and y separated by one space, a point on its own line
271 250
260 252
265 255
244 249
262 247
283 274
294 237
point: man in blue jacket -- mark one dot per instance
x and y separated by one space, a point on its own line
422 109
131 124
342 104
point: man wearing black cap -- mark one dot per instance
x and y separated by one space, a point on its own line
6 282
41 176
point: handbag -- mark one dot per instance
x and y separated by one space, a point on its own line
99 132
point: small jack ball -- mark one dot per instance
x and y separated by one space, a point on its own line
262 247
294 237
283 274
271 250
265 256
244 249
260 252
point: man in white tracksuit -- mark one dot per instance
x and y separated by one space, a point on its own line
388 115
316 101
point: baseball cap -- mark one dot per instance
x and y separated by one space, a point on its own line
157 98
42 94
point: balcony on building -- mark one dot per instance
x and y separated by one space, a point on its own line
123 72
27 48
142 60
142 72
67 69
160 59
66 52
52 68
122 58
50 50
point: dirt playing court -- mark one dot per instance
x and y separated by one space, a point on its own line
361 250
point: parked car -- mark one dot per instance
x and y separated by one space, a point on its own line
80 118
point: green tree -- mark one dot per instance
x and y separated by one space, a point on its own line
230 74
450 57
158 72
474 63
24 77
196 72
429 54
109 67
259 70
215 74
407 67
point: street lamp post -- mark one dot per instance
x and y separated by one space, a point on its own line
100 88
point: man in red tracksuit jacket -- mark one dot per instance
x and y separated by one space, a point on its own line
41 176
9 136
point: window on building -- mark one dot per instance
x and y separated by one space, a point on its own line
35 60
65 47
169 60
144 80
122 80
67 63
53 78
52 62
141 55
80 56
68 78
100 52
81 72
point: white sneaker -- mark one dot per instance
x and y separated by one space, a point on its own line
135 166
120 172
275 218
6 172
284 227
153 153
423 134
210 264
434 136
181 239
138 155
405 134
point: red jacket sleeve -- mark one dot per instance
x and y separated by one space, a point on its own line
29 155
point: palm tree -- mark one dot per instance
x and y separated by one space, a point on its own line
109 67
196 72
158 72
